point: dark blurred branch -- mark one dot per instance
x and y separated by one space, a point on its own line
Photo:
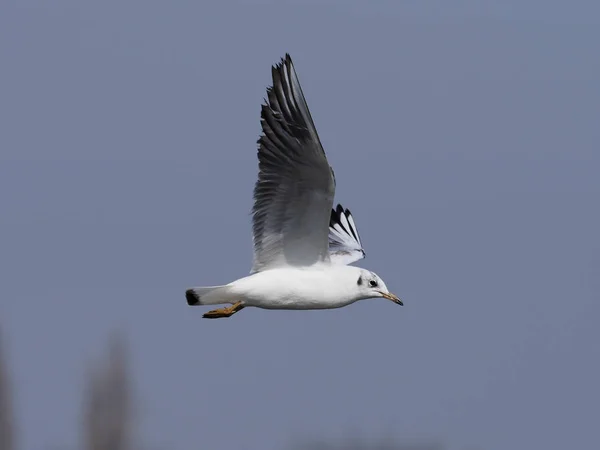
7 434
108 416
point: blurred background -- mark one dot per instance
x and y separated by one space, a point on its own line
465 140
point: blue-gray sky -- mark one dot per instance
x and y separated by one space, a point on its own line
465 139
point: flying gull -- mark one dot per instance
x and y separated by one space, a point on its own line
302 245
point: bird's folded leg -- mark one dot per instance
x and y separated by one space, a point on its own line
224 312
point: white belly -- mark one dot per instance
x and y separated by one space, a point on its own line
291 288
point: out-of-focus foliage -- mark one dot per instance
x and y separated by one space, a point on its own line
107 411
6 413
107 404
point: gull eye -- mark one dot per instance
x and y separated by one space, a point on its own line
372 283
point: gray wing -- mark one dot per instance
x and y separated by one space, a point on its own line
294 192
344 242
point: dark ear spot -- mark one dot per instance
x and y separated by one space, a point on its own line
360 280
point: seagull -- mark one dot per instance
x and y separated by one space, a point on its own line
303 247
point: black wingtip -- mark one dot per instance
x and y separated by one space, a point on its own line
335 214
191 297
284 61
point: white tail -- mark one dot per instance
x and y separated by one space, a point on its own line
208 295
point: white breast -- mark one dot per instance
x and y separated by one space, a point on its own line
317 287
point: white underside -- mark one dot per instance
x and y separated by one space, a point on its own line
315 287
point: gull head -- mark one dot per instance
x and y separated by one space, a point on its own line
371 286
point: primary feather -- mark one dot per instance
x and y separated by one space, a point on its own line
294 192
344 241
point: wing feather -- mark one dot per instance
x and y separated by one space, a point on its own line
344 242
294 192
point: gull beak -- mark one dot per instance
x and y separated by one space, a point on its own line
391 297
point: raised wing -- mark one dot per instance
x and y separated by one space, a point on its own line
294 192
344 241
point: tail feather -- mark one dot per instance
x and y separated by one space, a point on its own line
208 295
